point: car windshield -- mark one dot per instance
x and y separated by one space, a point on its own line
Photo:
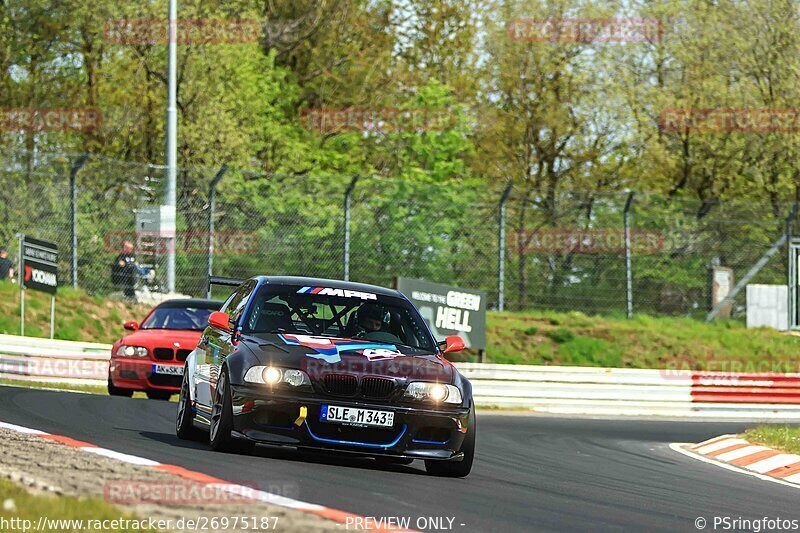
331 312
171 317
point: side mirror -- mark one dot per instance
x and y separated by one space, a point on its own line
453 343
220 320
131 325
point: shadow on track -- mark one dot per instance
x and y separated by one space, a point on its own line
283 453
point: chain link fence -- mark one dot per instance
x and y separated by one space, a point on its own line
560 251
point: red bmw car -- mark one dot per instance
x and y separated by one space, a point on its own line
150 358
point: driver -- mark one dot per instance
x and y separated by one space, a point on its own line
370 318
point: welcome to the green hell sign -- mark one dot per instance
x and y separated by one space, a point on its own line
449 310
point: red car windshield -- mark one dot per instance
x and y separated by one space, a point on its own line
183 318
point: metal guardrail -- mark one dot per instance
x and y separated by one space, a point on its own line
632 392
56 361
546 389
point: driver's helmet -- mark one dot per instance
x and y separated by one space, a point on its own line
371 317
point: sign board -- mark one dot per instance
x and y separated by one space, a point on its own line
449 310
721 285
767 306
158 220
39 265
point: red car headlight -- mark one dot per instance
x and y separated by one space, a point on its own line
132 351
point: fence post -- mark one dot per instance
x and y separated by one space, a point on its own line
501 249
21 280
73 204
791 264
628 271
347 194
212 201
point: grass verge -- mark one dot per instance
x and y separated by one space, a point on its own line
78 317
784 438
533 337
550 338
27 509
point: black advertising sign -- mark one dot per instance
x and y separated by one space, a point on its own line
449 310
39 265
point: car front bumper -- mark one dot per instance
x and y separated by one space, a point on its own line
418 432
137 374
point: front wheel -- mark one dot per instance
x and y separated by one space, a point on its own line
116 391
220 436
159 395
461 468
184 428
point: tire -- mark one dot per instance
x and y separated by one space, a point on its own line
219 435
184 427
159 395
116 391
460 468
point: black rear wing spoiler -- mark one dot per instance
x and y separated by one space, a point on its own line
230 282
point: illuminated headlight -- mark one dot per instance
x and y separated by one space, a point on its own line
435 392
270 375
131 351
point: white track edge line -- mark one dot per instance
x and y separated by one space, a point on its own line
21 429
119 456
55 389
680 448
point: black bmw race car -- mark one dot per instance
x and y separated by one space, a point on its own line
331 365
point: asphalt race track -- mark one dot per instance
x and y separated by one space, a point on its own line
531 473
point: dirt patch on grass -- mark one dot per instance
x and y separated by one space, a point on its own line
50 468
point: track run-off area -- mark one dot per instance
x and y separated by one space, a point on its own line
531 472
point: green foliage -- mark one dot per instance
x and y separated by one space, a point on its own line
560 335
573 125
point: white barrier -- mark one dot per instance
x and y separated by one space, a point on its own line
53 361
625 392
546 389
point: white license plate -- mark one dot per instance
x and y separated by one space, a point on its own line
353 416
169 370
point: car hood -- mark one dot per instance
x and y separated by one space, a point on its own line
326 355
151 338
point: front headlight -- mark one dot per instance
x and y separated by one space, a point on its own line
131 351
271 375
434 392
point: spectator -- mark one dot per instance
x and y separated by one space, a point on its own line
123 271
6 266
